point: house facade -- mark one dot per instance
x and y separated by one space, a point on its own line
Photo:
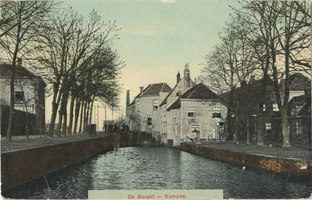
143 113
189 108
197 110
29 98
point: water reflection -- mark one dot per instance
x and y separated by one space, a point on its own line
158 168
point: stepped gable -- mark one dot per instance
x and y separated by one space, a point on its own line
199 91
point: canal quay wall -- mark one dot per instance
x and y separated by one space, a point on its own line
22 165
291 168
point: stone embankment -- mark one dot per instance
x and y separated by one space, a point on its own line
292 162
22 159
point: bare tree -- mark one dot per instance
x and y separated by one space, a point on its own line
72 43
19 26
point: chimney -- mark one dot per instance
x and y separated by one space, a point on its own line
141 89
178 77
19 62
187 72
128 98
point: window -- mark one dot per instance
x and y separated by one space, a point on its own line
299 127
179 93
165 128
191 112
275 108
216 112
268 128
193 127
138 105
256 127
19 97
149 120
263 107
155 104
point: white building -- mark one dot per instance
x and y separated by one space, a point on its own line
142 113
197 109
29 97
188 107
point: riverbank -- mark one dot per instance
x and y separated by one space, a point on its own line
293 162
23 159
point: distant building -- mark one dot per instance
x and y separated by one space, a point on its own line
143 113
29 97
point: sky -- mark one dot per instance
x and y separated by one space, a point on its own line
157 39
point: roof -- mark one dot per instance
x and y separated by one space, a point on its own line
165 99
155 89
20 72
305 101
152 90
199 91
251 90
306 109
298 82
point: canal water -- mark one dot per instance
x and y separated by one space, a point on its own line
160 168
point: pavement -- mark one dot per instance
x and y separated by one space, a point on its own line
293 153
275 151
19 143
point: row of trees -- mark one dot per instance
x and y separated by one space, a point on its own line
73 54
265 38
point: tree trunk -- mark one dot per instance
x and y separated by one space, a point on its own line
77 109
260 126
64 111
58 133
285 125
55 104
71 115
81 117
247 125
86 117
91 109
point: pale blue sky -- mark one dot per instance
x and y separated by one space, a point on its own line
157 39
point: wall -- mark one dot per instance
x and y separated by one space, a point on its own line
146 108
282 166
20 166
203 118
19 122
